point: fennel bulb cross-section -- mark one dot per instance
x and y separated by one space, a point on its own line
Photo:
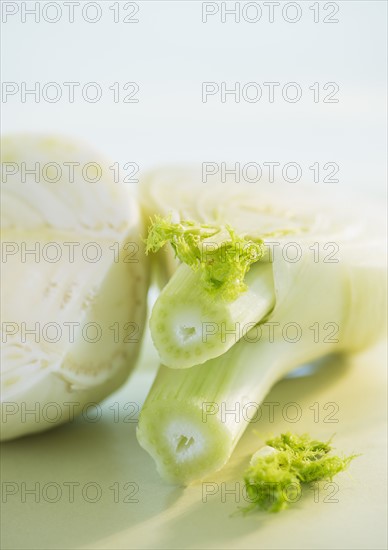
74 283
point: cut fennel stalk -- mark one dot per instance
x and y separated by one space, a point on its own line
184 423
202 312
189 327
193 418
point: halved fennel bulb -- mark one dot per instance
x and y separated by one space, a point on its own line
74 282
329 281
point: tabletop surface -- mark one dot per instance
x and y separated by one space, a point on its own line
104 492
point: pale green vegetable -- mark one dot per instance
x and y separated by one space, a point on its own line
184 424
74 282
224 287
325 304
188 327
196 320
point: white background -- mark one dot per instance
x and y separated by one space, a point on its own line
170 52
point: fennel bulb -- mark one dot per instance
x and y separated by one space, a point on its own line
324 302
74 282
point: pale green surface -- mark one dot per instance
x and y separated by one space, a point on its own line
169 517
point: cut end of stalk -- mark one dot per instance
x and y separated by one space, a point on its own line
188 327
182 450
187 334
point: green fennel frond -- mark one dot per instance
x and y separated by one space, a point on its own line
275 479
222 257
